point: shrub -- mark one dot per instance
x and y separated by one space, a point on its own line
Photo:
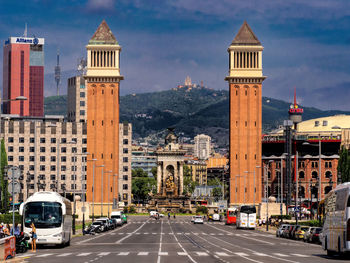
202 209
311 223
7 218
284 217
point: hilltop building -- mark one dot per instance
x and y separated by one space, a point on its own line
202 146
23 75
103 82
245 86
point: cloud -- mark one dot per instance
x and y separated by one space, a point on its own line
98 6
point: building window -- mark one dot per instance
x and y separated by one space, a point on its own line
328 174
82 103
74 168
42 167
32 140
125 187
324 123
63 150
53 140
21 149
53 158
10 149
63 159
63 177
314 174
301 164
125 141
84 141
73 177
125 168
125 159
314 164
53 177
42 140
53 149
125 196
53 168
42 149
21 139
63 140
42 158
31 167
10 139
82 94
125 177
125 150
317 123
31 158
328 164
31 149
82 113
63 168
301 174
21 158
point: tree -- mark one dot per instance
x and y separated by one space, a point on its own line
142 185
3 182
217 193
154 172
344 165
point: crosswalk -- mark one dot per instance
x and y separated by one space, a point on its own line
165 253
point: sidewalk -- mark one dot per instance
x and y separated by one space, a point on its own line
272 229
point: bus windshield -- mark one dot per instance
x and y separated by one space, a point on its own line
43 214
231 213
248 209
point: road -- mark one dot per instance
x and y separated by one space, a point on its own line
178 240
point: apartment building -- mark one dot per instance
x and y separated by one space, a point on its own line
125 152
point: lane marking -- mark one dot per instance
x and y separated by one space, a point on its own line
182 253
44 255
300 255
260 254
84 254
101 235
222 254
202 253
160 242
104 254
64 255
162 253
143 253
128 235
123 253
280 255
241 254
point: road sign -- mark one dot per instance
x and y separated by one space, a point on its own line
16 189
13 173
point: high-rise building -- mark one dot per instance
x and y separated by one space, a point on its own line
245 83
103 78
202 146
125 151
23 75
77 102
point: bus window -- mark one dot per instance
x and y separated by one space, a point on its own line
348 205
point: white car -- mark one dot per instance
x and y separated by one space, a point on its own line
280 230
216 217
198 220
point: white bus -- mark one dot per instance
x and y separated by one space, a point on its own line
246 217
52 216
336 228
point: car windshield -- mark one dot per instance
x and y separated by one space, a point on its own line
198 217
43 214
305 228
116 216
248 209
318 230
97 223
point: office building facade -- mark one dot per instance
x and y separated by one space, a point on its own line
76 99
23 75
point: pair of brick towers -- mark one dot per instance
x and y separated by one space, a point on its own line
245 85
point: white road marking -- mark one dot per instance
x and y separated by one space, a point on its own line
202 253
145 233
83 254
280 255
123 253
64 255
120 240
43 255
101 235
154 233
241 254
300 255
182 253
143 253
160 242
137 233
260 254
222 254
104 254
162 253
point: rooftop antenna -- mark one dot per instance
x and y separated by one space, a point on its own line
25 30
58 73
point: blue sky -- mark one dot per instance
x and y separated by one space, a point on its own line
306 42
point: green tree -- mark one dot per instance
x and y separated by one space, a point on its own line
3 182
154 172
217 193
344 165
142 185
189 184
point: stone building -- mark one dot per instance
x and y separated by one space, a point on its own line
202 146
125 139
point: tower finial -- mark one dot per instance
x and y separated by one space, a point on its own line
25 30
295 96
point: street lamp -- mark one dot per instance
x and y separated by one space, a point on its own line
74 185
93 188
319 168
102 166
236 186
110 171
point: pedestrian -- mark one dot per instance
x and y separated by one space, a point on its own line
15 231
174 216
34 237
168 215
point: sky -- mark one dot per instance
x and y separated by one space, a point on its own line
306 42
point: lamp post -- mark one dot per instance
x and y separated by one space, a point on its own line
243 184
108 173
114 175
319 169
102 166
74 185
93 188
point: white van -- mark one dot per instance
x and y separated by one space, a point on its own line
153 213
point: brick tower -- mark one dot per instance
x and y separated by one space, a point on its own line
245 81
103 77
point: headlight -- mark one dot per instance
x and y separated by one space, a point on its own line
58 234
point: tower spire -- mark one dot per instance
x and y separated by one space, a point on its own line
295 96
58 73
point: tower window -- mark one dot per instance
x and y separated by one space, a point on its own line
102 122
236 156
101 155
246 124
236 92
236 123
245 156
255 123
93 123
103 92
112 92
246 92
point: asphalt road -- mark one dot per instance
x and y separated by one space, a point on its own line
178 240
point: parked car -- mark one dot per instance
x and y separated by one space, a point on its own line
280 230
95 227
307 234
216 217
286 231
292 231
198 220
113 221
299 233
105 221
123 217
315 235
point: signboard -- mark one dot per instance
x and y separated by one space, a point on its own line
16 189
13 173
25 40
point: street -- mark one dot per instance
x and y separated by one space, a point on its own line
178 240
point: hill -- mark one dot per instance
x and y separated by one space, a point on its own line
190 110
